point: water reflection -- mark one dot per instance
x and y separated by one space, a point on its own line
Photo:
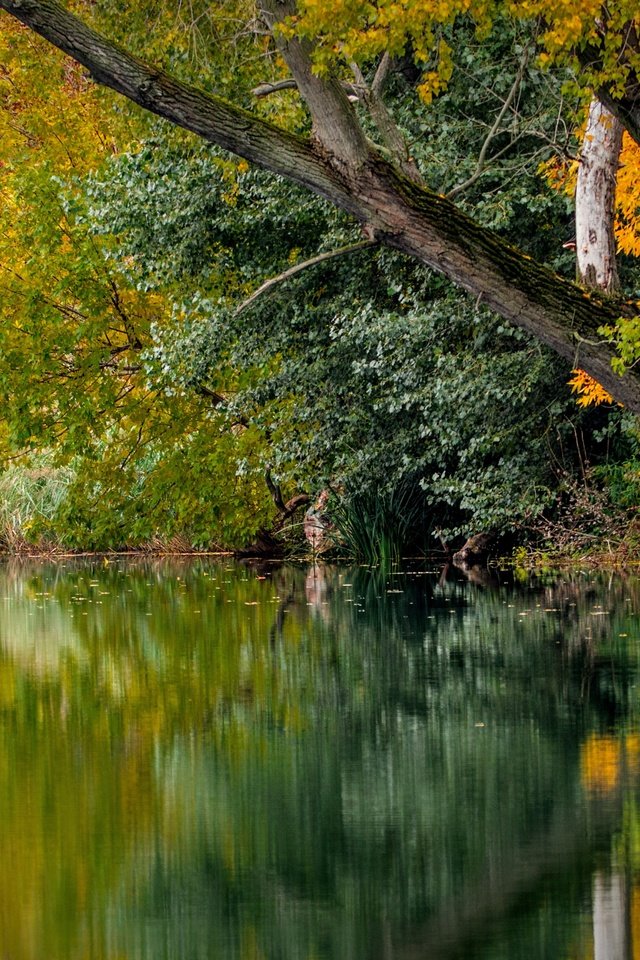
216 760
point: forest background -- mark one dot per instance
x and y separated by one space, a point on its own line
165 370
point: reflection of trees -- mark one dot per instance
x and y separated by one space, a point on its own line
69 819
550 855
611 932
300 764
610 768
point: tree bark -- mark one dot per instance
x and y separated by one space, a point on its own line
596 199
392 209
335 126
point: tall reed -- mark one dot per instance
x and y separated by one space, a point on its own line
379 527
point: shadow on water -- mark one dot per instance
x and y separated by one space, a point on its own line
217 759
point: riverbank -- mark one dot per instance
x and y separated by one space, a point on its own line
616 544
558 544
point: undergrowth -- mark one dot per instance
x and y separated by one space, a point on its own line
30 498
596 520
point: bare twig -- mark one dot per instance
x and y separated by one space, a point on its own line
495 129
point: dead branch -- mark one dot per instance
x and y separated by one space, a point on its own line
299 267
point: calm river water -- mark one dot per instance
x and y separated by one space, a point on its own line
209 761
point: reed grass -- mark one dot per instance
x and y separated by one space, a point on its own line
378 528
30 498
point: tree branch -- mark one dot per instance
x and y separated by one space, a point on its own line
299 267
133 340
335 125
392 137
274 490
216 398
423 224
381 74
267 88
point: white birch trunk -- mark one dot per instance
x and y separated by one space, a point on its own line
595 200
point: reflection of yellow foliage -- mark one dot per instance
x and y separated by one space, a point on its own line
635 921
632 747
602 759
7 685
70 845
582 949
250 949
600 762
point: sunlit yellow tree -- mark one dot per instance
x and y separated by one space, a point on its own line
75 332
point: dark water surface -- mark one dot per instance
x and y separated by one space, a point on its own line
210 760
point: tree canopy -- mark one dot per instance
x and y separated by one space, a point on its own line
374 183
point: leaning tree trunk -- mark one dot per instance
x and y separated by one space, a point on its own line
596 199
